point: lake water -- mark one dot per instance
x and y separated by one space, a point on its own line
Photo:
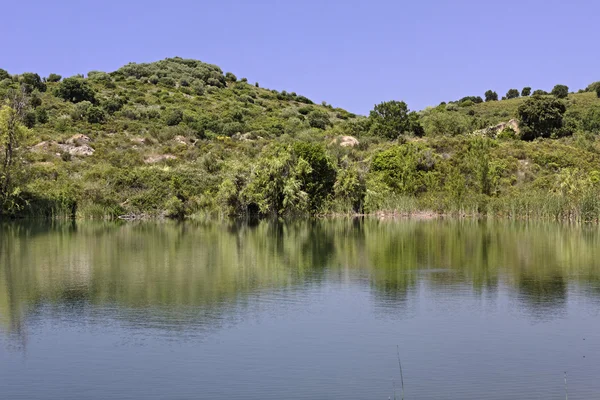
307 310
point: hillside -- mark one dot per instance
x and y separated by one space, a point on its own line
180 138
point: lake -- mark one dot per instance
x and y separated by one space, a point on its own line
304 310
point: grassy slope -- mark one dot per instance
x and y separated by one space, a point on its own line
462 173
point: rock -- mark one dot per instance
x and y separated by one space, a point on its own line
181 140
346 141
153 159
78 139
43 147
493 131
83 150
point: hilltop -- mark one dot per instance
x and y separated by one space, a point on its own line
181 138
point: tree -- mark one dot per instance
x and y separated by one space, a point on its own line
230 77
53 78
541 117
4 75
33 81
391 119
75 90
512 94
526 91
560 91
540 92
598 91
12 132
490 95
318 183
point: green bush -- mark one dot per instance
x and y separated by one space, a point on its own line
526 91
167 81
41 115
96 115
4 74
318 119
174 117
75 90
560 91
230 77
113 104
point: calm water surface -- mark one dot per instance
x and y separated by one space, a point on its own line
310 310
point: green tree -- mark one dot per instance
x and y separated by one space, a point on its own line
4 75
526 91
541 117
318 183
33 81
75 90
540 92
490 95
512 94
560 91
391 119
230 77
598 91
54 78
12 133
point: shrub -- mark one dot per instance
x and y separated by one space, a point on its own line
35 100
230 77
198 87
490 95
113 104
526 91
540 92
318 119
54 78
80 111
75 90
541 117
154 80
167 81
598 91
41 115
4 74
560 91
95 115
29 119
173 117
512 94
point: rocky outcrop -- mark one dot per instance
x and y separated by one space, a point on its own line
76 145
493 131
153 159
346 141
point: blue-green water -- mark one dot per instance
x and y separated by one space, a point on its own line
310 310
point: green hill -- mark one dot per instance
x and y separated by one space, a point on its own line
180 138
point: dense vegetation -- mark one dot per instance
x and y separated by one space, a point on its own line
180 138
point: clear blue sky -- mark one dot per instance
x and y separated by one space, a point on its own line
351 54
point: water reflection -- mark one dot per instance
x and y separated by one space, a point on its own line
204 271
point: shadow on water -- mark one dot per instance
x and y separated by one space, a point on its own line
207 271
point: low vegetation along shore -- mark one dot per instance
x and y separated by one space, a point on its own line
179 138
